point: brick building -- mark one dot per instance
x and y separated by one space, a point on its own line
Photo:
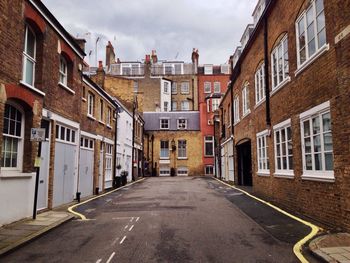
289 104
212 84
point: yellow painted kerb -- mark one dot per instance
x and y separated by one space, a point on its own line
70 209
300 243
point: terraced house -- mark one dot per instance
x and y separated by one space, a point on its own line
289 98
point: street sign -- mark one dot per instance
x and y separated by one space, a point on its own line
37 134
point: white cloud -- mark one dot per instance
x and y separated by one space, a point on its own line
173 28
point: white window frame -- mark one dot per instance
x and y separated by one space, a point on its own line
236 110
27 58
87 143
185 87
20 140
109 116
164 171
318 49
183 103
263 162
321 175
166 87
217 87
182 124
165 150
63 71
208 105
215 104
209 167
182 171
280 146
166 106
91 106
208 69
174 105
245 100
174 88
207 87
164 123
209 139
280 70
66 134
260 84
108 160
181 152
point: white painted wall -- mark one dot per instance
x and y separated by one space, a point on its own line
165 96
124 142
16 196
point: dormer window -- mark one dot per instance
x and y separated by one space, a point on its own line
181 124
208 69
29 55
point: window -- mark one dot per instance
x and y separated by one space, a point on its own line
229 115
173 105
166 87
182 171
181 124
168 69
279 63
12 143
311 32
173 88
164 124
185 105
109 114
178 69
185 87
29 55
245 100
207 87
209 170
108 158
236 110
259 84
65 134
164 171
217 87
86 143
181 149
215 104
63 71
262 153
101 110
166 106
136 86
208 69
317 143
283 148
91 99
164 149
209 146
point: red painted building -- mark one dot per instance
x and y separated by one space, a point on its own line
212 84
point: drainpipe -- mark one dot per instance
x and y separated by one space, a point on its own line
232 127
266 69
152 139
133 141
115 145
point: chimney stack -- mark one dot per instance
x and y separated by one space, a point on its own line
195 59
154 57
100 75
110 55
81 42
147 59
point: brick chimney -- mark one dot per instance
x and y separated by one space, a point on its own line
110 55
154 57
100 75
81 42
147 59
195 59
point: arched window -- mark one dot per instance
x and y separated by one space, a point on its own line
29 55
63 71
12 142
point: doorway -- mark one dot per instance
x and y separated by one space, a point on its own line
244 159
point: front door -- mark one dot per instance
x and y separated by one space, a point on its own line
244 159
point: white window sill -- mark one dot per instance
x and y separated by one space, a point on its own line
182 158
66 88
65 142
164 158
15 174
280 86
322 177
91 117
83 99
259 103
308 62
236 122
284 174
246 114
101 122
32 88
263 173
109 126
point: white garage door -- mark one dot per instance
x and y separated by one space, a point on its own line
86 166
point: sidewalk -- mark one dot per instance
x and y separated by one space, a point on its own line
332 248
18 233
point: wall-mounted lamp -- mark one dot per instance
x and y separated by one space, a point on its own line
173 145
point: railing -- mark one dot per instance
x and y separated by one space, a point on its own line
172 69
123 70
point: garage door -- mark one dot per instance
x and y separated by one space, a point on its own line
86 166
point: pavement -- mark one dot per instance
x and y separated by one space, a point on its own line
21 232
332 247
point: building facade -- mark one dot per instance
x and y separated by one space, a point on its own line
290 123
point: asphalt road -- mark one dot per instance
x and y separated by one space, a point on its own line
173 219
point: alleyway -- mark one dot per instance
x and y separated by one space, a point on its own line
172 219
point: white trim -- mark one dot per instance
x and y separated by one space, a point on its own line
316 109
260 102
99 93
325 177
53 116
280 85
87 134
227 141
56 29
281 174
32 88
264 173
66 87
104 139
282 124
91 117
264 132
308 62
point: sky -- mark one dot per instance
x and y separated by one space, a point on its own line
171 27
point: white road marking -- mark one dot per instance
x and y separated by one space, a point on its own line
131 227
115 241
98 261
121 242
131 219
126 226
121 218
110 258
137 219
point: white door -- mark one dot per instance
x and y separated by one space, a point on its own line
100 171
86 172
44 175
231 176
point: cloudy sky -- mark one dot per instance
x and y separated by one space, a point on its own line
171 27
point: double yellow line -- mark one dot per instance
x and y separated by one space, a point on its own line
70 209
297 247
